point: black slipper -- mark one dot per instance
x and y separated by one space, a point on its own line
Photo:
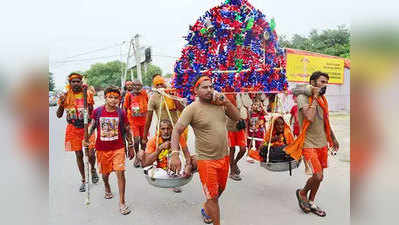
305 206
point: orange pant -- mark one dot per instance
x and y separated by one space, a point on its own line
73 138
213 175
109 161
137 130
316 158
237 138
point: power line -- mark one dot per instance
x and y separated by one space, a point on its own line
86 59
95 50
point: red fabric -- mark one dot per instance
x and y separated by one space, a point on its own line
213 175
237 138
317 158
137 130
109 128
294 113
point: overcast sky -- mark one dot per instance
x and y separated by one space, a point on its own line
81 26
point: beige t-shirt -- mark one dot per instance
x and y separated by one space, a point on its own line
209 124
315 135
154 103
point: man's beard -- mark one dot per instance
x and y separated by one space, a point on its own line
77 89
166 138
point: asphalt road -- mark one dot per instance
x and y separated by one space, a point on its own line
262 197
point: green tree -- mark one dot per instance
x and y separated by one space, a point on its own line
101 75
330 41
51 83
147 77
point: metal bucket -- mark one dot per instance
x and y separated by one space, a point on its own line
171 182
281 166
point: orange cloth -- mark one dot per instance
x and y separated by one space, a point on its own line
92 141
237 138
162 159
202 79
316 158
232 98
287 134
158 80
109 161
73 138
136 104
213 175
137 130
296 148
70 98
253 153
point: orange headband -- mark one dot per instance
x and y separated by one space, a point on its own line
73 76
114 94
202 79
158 80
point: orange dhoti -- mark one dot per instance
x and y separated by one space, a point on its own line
213 175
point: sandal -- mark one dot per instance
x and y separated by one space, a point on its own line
316 210
237 170
136 163
82 187
124 210
108 195
235 177
94 177
206 218
305 206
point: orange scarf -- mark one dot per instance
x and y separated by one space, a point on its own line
287 134
70 98
295 149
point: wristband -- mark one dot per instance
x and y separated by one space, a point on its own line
175 151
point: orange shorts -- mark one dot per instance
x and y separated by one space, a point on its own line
137 130
213 175
237 138
109 161
316 158
74 138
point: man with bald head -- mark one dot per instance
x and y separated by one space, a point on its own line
135 104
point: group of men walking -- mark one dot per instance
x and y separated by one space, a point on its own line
216 123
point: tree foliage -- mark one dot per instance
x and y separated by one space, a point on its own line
330 41
102 75
147 77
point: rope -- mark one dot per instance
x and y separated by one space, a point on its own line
271 130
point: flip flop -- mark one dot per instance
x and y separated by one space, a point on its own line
235 177
108 195
206 218
305 206
94 177
82 187
316 210
124 210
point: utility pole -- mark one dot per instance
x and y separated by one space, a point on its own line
127 63
137 55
